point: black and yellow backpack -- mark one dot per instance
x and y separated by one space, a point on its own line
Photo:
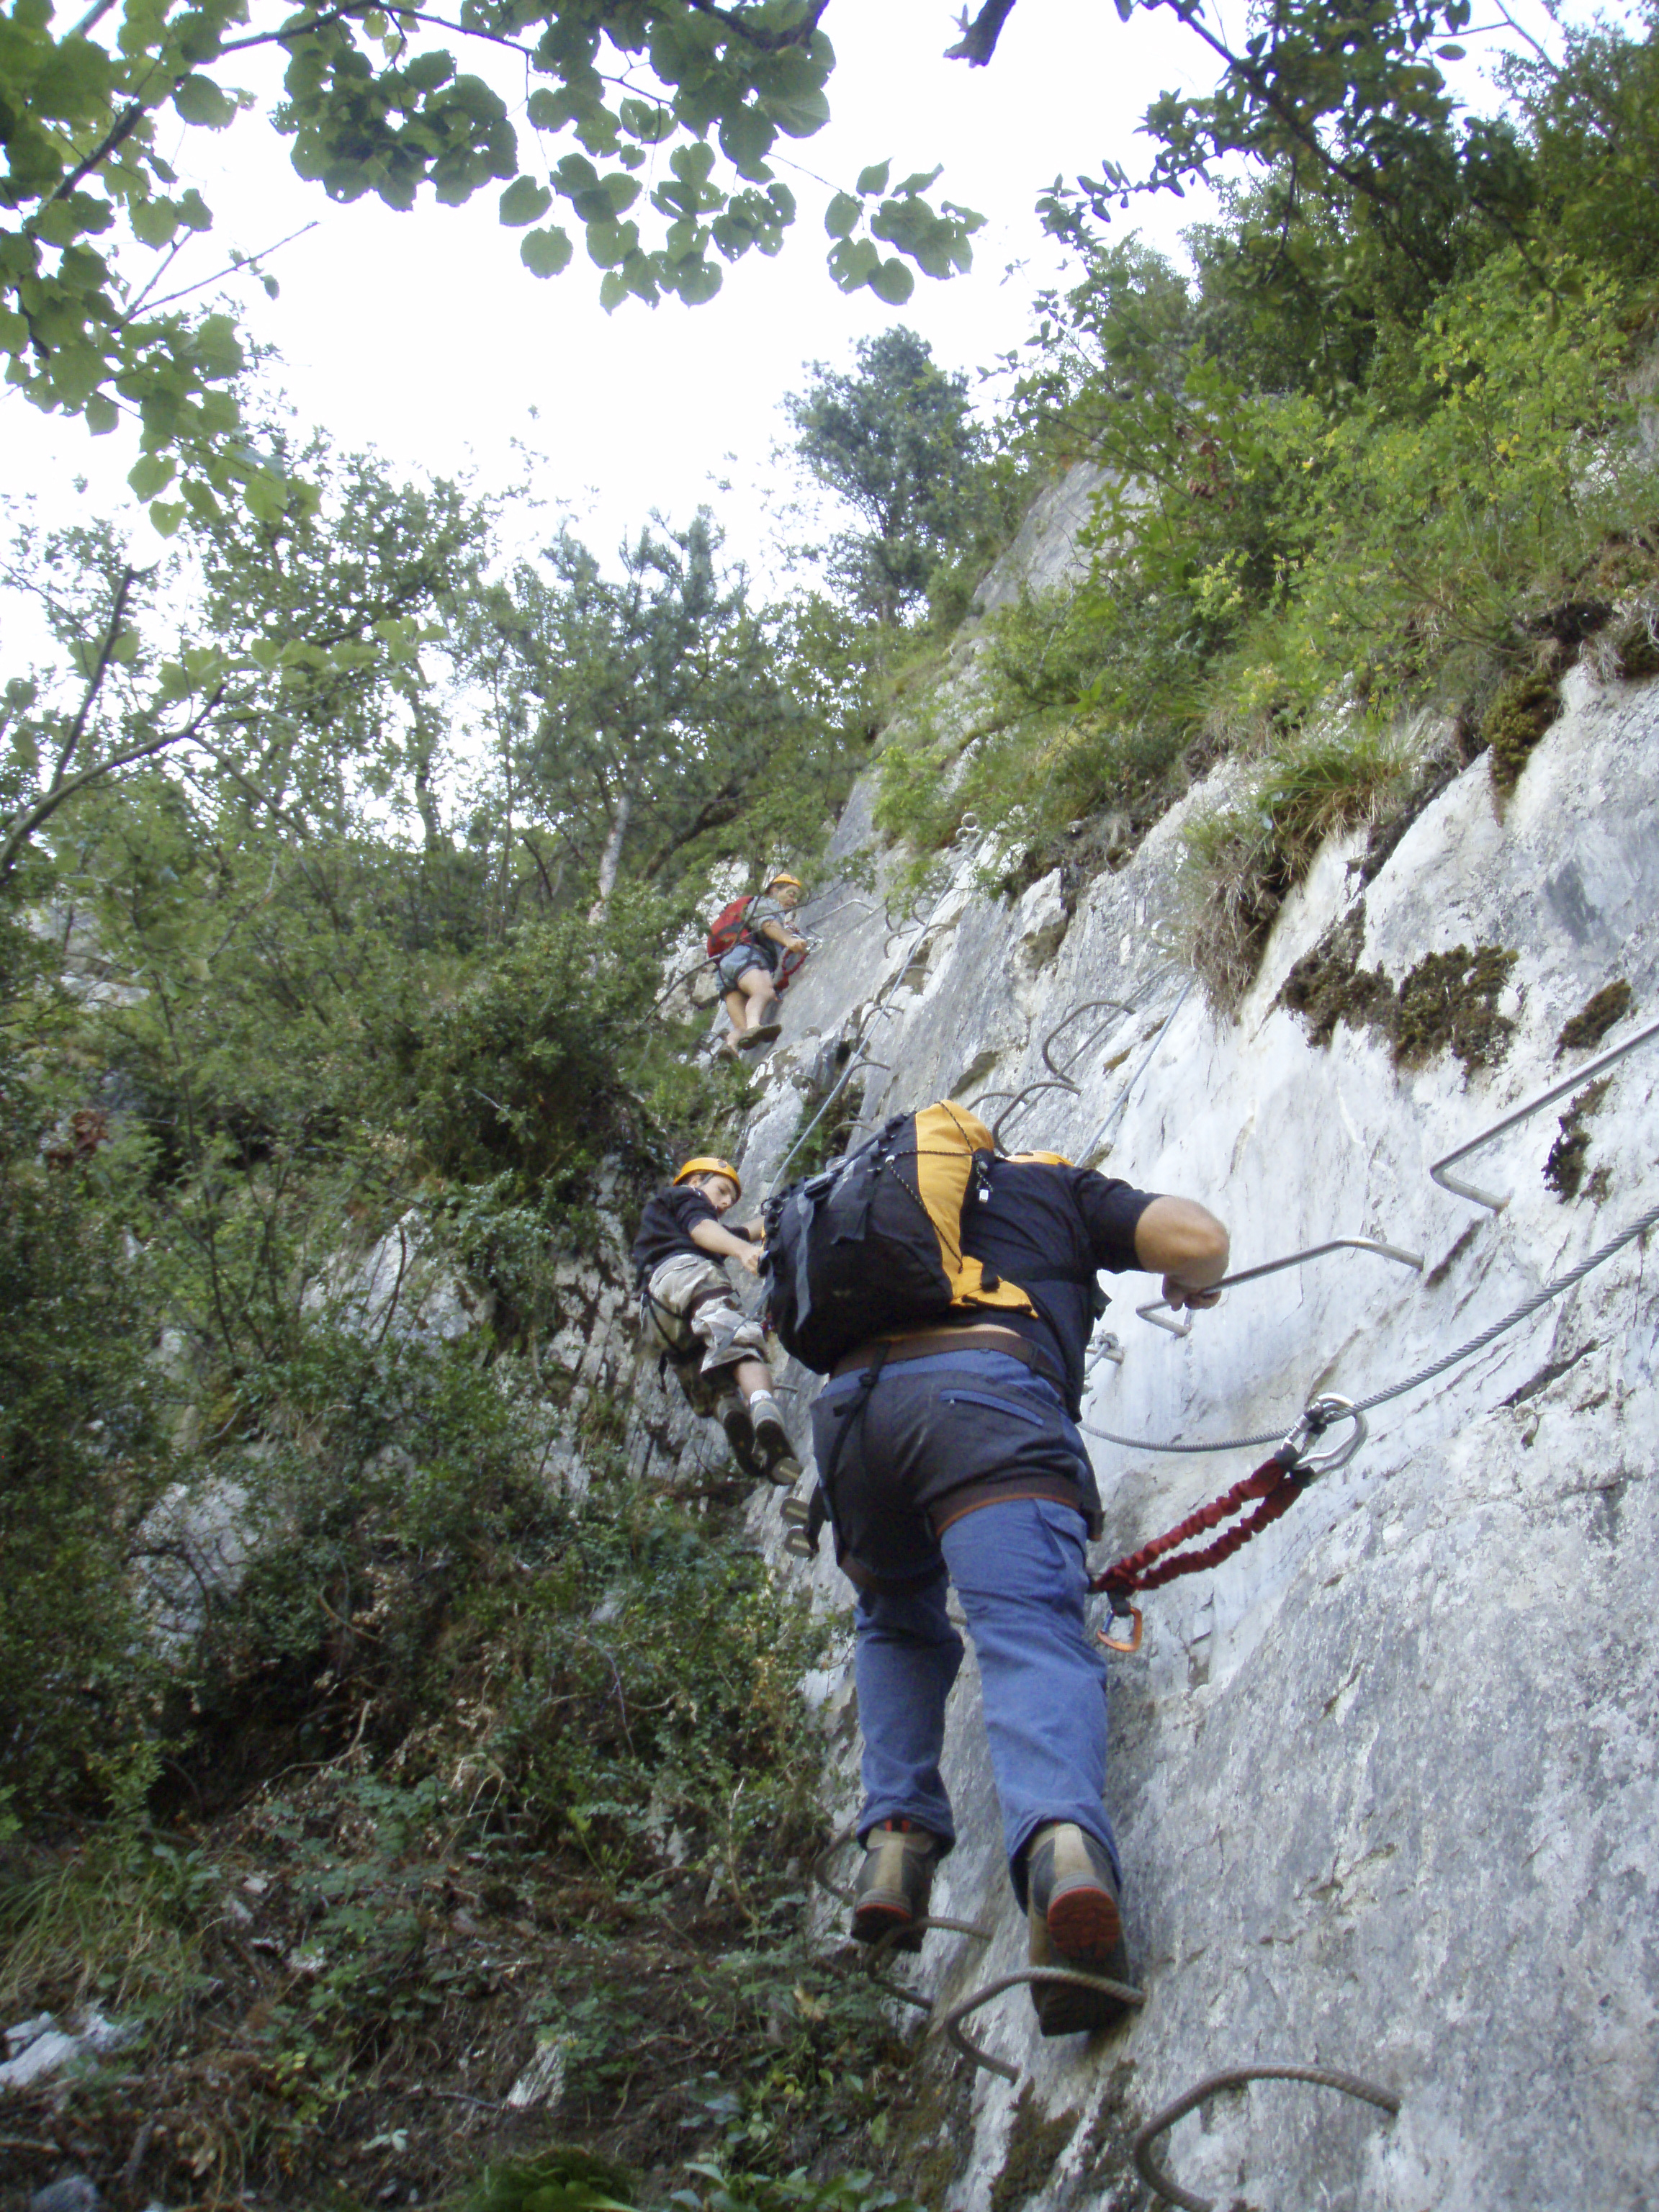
873 1244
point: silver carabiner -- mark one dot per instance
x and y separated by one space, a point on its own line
1317 1418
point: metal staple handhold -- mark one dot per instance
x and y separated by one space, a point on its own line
1020 1099
1459 1188
952 2023
1093 1148
879 1949
1087 1006
1164 2184
1158 1307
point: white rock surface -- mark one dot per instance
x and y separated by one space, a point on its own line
39 2047
1387 1783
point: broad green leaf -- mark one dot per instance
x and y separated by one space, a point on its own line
892 281
610 243
546 252
427 71
745 138
150 473
850 262
800 115
841 216
874 178
154 222
102 415
692 163
199 100
549 110
165 516
524 201
648 119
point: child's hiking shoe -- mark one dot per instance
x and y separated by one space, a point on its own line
1075 1923
772 1447
894 1884
739 1426
768 1024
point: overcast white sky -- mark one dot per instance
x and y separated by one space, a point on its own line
423 334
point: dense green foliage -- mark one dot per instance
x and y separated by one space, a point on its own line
1343 478
894 441
374 102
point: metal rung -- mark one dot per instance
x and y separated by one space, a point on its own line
1161 2182
1088 1007
1020 1099
1155 1312
1093 1149
1065 1977
1459 1188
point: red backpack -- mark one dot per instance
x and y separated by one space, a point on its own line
726 928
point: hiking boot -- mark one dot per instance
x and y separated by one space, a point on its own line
768 1024
739 1427
1075 1923
894 1883
772 1447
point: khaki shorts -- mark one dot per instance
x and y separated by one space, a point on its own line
695 1294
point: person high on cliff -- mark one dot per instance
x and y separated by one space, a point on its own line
690 1310
755 950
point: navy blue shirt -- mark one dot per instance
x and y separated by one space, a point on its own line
666 1229
1050 1229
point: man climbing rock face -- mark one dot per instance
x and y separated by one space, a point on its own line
747 972
691 1307
950 1454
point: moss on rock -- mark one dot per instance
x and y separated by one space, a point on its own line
1035 2145
1448 1002
1516 719
1601 1012
1327 985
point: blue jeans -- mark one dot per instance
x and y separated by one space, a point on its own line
1018 1568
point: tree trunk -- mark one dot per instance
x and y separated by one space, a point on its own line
610 858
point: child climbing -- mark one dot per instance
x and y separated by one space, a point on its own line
755 952
689 1307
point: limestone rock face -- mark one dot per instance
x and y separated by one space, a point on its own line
1387 1783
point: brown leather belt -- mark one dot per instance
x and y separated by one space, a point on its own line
972 1336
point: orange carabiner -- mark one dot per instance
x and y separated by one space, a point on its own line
1117 1642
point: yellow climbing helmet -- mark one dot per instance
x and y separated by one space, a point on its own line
794 882
1048 1159
702 1166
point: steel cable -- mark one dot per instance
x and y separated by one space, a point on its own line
1464 1351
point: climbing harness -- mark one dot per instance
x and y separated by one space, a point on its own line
1155 1311
1276 1485
950 2025
1473 1191
1163 2184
